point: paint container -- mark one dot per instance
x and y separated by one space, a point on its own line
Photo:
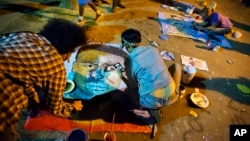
237 35
77 135
109 136
70 86
188 73
190 10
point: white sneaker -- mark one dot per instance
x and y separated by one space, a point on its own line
80 18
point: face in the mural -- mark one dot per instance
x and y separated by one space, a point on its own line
92 74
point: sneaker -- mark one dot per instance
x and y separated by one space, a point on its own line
80 18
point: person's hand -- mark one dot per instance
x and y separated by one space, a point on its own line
142 113
78 105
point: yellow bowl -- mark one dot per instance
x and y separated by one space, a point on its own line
199 100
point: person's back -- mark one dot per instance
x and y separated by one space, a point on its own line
152 72
220 20
30 62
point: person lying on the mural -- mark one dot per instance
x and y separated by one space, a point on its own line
150 84
32 61
214 23
94 73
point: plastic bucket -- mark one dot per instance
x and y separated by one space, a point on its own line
188 73
77 135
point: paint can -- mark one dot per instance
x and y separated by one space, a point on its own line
188 73
70 86
109 136
77 134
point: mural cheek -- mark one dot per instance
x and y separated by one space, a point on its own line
114 79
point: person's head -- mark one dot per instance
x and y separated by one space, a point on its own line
130 38
64 35
206 12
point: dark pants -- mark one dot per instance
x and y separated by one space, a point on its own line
246 2
130 101
8 135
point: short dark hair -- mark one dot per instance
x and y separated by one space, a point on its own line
64 35
131 36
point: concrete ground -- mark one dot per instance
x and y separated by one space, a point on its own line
228 68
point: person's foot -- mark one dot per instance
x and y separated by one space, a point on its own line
97 3
80 18
98 15
105 2
122 6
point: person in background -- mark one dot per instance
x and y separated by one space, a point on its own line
150 84
97 2
214 23
116 3
34 62
82 4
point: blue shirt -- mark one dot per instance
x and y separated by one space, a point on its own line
219 20
146 70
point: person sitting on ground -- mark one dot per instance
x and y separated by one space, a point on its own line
31 62
214 23
82 4
116 3
150 84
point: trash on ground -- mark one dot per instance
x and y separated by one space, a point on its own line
167 55
163 37
237 34
229 62
243 88
197 63
152 43
193 113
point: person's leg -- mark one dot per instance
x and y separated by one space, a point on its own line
114 4
105 2
219 31
176 71
98 12
81 12
177 76
120 4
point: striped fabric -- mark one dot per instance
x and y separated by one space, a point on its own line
28 60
